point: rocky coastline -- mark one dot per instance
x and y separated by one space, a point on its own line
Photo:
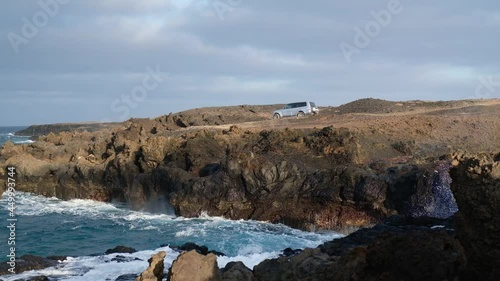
392 167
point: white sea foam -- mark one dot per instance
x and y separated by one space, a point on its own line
248 241
36 205
104 268
250 260
437 226
135 216
23 141
15 139
190 232
98 267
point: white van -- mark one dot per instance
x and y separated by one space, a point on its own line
298 109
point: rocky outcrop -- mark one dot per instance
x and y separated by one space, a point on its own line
192 266
308 178
155 271
203 250
476 186
120 249
425 192
218 115
401 249
237 271
40 130
28 262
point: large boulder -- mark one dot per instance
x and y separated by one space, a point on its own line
155 271
237 271
121 249
309 264
422 191
192 266
476 186
419 255
399 249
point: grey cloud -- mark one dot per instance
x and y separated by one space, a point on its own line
93 52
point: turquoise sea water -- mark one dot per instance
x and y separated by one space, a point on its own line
7 134
85 229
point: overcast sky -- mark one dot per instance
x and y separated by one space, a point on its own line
93 60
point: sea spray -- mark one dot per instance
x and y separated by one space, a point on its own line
84 229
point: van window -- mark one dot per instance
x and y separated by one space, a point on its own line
296 104
312 104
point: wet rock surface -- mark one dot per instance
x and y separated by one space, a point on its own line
126 277
121 249
203 250
27 262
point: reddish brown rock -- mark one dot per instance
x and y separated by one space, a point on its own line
192 266
155 271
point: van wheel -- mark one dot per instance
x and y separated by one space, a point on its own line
276 116
301 114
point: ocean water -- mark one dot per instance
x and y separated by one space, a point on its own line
85 229
7 134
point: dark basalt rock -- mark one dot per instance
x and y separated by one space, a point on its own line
435 198
237 271
121 249
57 258
290 252
126 277
120 259
416 255
210 169
395 250
28 262
421 191
39 130
203 250
36 278
476 185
